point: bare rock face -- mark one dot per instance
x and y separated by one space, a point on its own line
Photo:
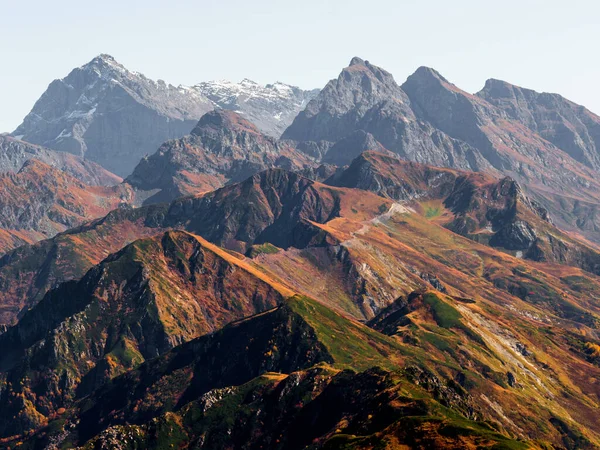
492 211
547 144
366 97
113 116
223 148
39 201
110 115
569 126
15 153
271 107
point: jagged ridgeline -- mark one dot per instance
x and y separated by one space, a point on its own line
115 116
369 266
465 343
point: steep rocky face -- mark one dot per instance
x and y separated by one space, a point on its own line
366 97
135 305
14 153
391 177
343 102
271 107
486 209
350 147
223 148
431 121
274 206
551 176
110 115
39 201
569 126
113 116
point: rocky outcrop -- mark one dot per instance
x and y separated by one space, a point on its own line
40 201
223 148
110 115
431 121
271 107
14 153
273 206
492 211
366 97
571 127
113 116
389 176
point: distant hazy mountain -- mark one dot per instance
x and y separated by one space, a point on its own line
569 126
223 148
115 116
272 107
14 153
110 115
40 200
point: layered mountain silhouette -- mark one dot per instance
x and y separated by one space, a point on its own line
222 148
429 120
437 302
408 266
39 201
14 153
115 116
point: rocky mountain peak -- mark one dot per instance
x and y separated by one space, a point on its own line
497 87
430 79
429 73
341 104
272 107
33 165
569 126
14 153
365 69
106 62
356 61
221 119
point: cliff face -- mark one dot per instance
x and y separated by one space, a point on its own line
14 153
113 116
569 126
110 115
40 201
223 148
545 143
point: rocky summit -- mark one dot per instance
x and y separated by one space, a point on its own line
114 116
371 266
543 141
222 148
271 107
110 115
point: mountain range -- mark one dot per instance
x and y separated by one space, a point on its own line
114 116
371 265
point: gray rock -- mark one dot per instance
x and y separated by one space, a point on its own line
15 153
569 126
113 116
271 107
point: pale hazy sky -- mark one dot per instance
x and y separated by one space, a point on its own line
546 45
